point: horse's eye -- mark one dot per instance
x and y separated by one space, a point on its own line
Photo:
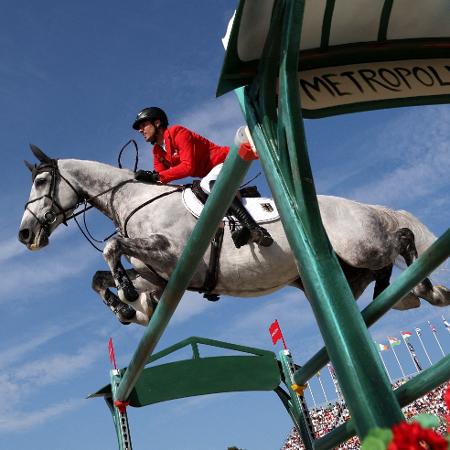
40 181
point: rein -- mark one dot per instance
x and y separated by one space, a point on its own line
51 215
135 210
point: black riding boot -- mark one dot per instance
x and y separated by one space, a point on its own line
250 231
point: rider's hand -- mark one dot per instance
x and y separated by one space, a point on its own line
146 176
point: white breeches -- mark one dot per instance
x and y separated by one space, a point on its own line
212 176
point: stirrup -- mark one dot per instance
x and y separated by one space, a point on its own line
261 236
240 236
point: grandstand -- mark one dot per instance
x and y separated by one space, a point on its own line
328 417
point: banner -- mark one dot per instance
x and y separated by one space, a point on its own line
387 82
276 334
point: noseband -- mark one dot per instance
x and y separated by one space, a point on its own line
55 209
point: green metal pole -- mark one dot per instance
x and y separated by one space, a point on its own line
360 372
428 261
120 417
295 407
228 182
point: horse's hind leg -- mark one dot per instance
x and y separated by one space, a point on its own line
382 281
436 295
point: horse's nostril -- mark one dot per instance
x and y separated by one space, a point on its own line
24 235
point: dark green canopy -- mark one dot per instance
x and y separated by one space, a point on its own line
354 54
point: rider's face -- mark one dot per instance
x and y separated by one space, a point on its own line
148 131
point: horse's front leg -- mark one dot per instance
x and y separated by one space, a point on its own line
141 311
141 249
102 281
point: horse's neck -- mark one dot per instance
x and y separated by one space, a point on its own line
91 178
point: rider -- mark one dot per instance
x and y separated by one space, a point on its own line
178 153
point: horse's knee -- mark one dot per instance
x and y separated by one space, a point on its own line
98 281
111 249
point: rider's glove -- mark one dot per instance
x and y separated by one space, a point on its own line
146 176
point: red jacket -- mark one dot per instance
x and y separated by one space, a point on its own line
187 155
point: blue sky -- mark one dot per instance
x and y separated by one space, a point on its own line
72 77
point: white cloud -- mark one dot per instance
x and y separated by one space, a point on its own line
20 421
290 308
21 382
11 248
56 367
190 305
217 120
414 151
39 271
16 352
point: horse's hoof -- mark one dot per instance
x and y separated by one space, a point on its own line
444 294
126 312
409 301
130 293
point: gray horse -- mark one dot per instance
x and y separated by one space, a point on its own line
155 226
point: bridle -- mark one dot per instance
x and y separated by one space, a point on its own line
55 209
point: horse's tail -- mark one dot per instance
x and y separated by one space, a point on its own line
422 234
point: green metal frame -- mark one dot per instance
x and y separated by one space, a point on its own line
251 369
277 129
271 106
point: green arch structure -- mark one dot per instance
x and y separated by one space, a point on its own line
286 60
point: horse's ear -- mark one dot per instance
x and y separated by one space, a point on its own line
40 155
31 167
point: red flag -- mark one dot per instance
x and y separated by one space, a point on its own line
111 353
275 332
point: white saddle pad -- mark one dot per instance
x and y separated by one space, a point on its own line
262 209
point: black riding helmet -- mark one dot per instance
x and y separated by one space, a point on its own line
152 113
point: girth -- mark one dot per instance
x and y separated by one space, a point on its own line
212 273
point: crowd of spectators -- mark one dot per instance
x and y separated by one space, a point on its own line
327 418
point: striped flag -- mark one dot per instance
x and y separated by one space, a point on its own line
433 328
405 334
414 356
393 341
383 347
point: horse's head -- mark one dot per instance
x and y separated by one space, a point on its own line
52 199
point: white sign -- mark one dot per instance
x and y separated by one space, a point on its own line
369 82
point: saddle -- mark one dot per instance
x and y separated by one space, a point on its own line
262 209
